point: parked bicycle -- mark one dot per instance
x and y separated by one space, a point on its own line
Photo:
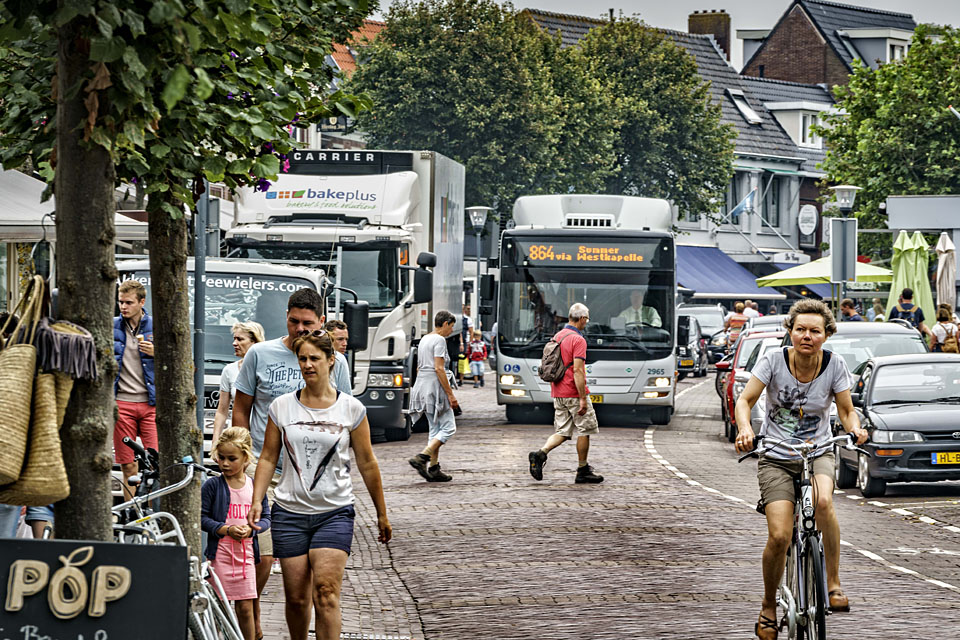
803 587
209 614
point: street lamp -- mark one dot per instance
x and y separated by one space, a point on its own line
478 218
845 195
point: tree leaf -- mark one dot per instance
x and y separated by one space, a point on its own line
204 87
266 166
106 49
176 87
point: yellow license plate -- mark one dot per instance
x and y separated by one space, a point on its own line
945 457
596 399
686 363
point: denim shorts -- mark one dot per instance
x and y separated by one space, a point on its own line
294 534
476 368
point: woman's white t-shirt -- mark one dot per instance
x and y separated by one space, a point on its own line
228 379
316 444
941 331
796 409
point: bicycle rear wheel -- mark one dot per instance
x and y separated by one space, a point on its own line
815 589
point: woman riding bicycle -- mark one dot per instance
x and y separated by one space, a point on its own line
801 383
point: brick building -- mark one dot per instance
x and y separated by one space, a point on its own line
818 42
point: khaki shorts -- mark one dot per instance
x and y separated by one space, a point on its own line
566 417
264 538
776 476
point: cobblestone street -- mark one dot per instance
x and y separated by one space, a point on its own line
667 547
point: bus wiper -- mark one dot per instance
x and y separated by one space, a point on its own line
947 399
619 336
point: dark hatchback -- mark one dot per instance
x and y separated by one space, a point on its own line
710 318
692 354
910 404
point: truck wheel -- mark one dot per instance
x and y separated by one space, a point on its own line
420 426
518 414
660 416
399 434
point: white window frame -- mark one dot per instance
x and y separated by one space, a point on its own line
740 101
808 138
893 48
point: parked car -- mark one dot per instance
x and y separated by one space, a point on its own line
692 355
710 317
727 371
741 378
767 321
910 404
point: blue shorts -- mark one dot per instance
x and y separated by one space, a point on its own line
294 534
476 368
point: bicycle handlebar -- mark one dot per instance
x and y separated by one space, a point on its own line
804 452
187 462
133 444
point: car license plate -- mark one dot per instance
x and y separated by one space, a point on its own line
596 399
945 457
686 363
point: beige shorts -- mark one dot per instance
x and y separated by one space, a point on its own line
264 538
776 476
566 418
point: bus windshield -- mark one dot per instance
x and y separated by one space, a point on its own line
630 310
231 298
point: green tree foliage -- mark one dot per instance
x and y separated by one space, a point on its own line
670 140
893 134
191 89
482 84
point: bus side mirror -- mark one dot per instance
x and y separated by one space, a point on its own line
357 317
486 288
422 286
427 260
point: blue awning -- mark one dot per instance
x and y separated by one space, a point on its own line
713 274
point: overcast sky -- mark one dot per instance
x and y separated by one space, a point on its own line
745 14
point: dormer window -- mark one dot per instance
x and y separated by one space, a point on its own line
897 52
807 137
743 106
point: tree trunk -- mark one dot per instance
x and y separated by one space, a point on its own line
177 429
86 277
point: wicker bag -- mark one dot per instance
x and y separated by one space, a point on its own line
18 366
44 476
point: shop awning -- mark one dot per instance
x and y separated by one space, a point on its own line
818 272
713 274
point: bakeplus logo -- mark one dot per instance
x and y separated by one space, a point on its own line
322 194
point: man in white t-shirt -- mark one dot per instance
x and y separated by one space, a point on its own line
749 310
270 369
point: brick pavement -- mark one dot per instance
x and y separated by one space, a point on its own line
495 554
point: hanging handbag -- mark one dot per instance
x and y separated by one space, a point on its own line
18 366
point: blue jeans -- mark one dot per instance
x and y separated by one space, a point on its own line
10 518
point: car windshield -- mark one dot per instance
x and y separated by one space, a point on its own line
746 349
916 382
232 298
710 319
856 349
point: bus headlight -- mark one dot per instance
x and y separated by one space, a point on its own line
510 379
518 393
661 382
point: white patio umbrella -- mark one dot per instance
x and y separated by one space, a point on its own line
946 270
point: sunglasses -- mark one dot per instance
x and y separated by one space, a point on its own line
317 333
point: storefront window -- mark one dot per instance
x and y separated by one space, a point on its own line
4 274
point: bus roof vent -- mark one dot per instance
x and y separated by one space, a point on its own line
588 221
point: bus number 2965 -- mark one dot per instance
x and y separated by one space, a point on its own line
655 372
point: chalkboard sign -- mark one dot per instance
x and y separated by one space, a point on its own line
79 590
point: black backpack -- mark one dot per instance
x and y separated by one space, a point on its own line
910 316
552 368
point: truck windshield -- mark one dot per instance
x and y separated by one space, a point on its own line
231 298
371 272
630 310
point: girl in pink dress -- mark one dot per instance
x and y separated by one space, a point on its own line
232 543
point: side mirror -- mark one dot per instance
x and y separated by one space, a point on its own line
486 287
426 259
723 365
357 317
422 285
856 399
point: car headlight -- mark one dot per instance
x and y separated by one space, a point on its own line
385 380
510 379
683 351
719 340
738 388
883 436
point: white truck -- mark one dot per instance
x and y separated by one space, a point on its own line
236 291
360 216
614 254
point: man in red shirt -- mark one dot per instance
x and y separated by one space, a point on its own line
572 409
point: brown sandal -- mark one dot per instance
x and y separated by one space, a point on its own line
838 601
766 623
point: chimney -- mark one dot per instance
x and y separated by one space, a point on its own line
714 23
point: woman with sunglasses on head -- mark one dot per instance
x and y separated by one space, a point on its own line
313 513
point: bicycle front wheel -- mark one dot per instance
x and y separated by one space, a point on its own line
815 586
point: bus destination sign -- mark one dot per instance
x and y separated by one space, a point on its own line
608 254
